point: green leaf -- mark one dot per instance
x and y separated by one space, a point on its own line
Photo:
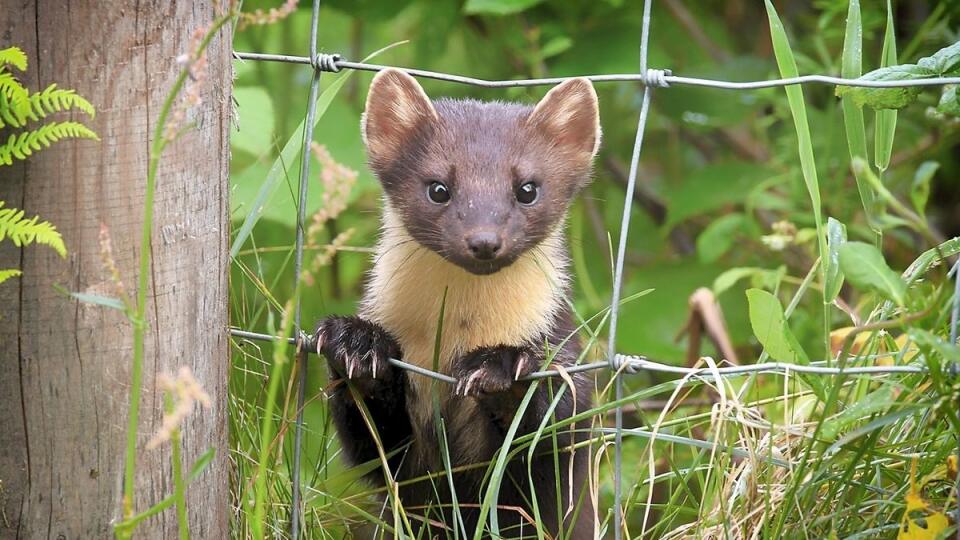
920 189
886 98
9 273
865 267
943 61
96 299
836 237
717 238
886 121
788 68
949 101
23 232
15 57
556 46
497 7
851 68
878 401
255 126
760 276
710 188
770 327
288 158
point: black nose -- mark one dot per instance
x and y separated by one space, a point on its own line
484 245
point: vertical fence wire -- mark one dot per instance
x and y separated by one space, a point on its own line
617 363
295 510
955 375
618 280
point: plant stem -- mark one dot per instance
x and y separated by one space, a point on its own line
179 489
138 317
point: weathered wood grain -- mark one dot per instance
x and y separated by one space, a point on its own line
65 366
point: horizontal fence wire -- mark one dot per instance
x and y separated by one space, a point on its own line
652 77
632 363
619 363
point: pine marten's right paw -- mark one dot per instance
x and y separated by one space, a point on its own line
356 349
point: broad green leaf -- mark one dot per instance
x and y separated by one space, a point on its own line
851 68
255 125
949 101
498 7
944 61
886 98
920 189
886 121
717 238
770 327
788 68
712 187
836 237
864 266
288 158
556 46
760 277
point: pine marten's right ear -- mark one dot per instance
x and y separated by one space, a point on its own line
570 117
397 108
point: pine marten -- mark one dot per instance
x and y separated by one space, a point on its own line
475 197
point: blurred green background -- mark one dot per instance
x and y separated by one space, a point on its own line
719 188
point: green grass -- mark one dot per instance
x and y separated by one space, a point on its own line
752 456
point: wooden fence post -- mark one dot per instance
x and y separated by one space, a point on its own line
65 365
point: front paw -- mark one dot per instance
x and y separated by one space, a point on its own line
490 371
357 349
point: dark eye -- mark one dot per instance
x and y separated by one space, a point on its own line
528 193
438 193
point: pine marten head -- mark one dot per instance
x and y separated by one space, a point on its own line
479 183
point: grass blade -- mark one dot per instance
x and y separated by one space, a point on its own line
851 68
886 123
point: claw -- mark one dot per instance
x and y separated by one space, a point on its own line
474 377
521 363
374 364
350 366
321 338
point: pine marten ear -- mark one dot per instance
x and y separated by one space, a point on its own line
397 108
570 117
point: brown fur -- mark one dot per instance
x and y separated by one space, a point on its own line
499 311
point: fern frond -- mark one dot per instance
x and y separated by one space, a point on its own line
22 145
17 98
54 99
7 118
7 274
27 231
15 57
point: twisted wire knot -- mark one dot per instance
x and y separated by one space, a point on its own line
656 78
306 342
326 62
625 362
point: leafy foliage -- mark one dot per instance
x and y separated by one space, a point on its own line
727 184
943 63
18 107
23 145
23 232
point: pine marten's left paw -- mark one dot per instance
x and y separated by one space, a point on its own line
492 370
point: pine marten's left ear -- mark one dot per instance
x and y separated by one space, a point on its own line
397 109
569 115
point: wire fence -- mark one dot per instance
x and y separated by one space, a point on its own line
649 78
